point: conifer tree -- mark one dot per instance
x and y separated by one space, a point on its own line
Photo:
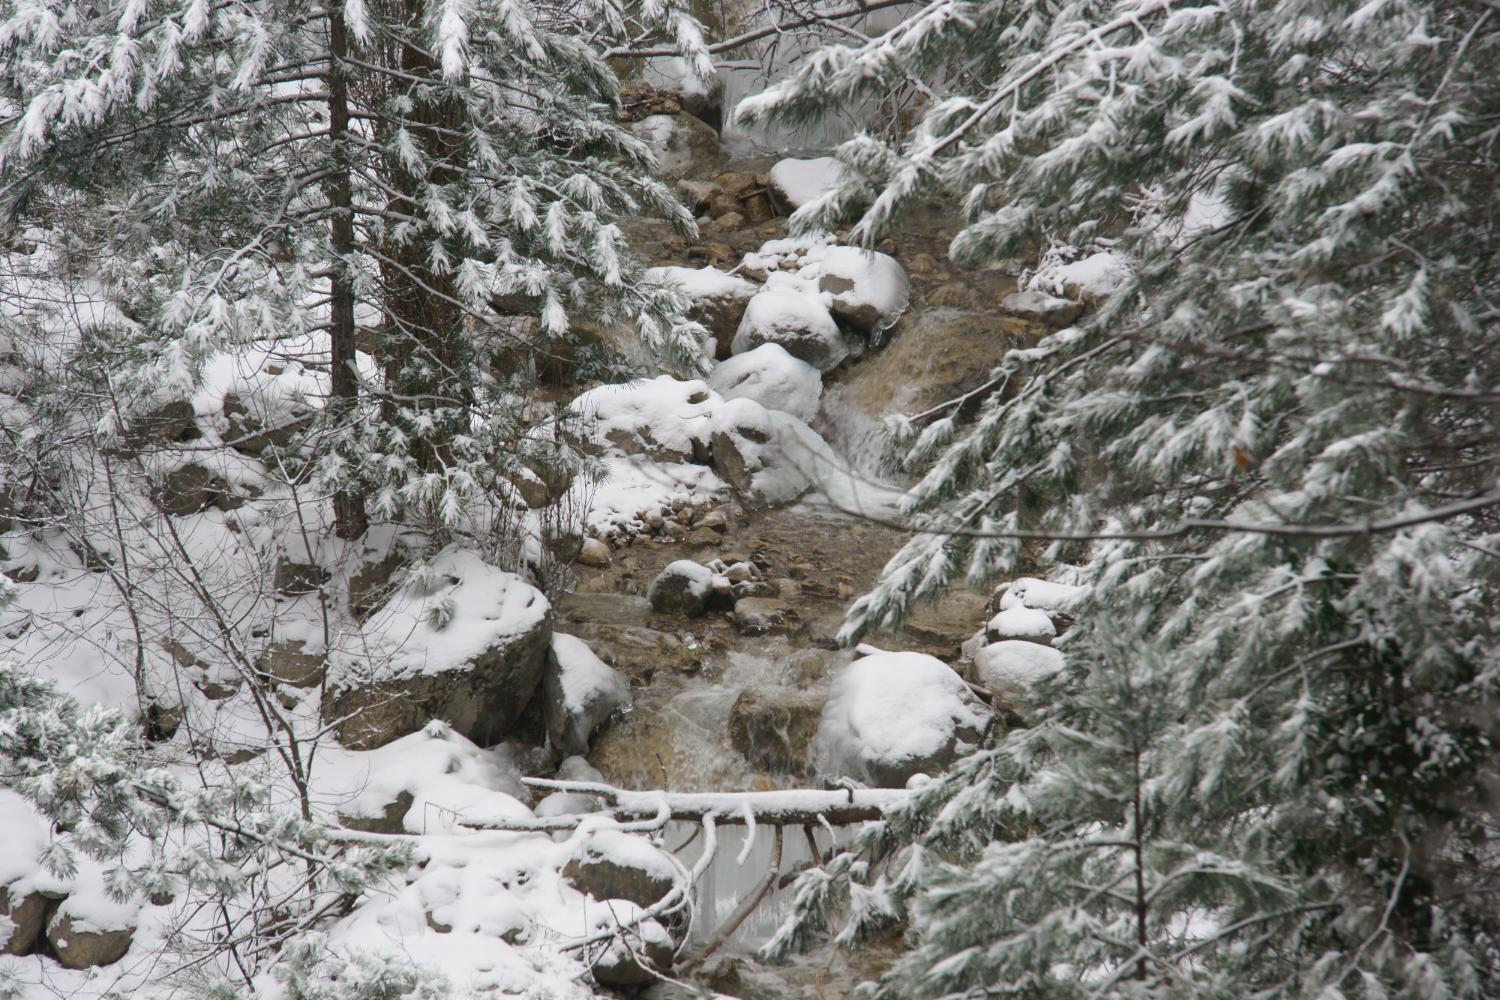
438 182
1266 769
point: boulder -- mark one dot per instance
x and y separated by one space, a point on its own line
188 489
593 552
612 864
254 427
682 588
296 578
662 419
639 953
1010 667
749 455
463 641
684 145
891 716
718 299
759 615
581 692
171 421
79 945
1021 623
288 662
391 819
870 290
26 913
774 728
773 378
1039 307
796 322
640 651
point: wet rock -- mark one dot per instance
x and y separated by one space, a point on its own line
79 946
698 195
288 662
774 729
683 588
26 914
714 520
759 615
640 651
684 145
699 537
756 588
731 220
954 295
593 552
1039 307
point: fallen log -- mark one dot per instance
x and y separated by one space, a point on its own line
793 806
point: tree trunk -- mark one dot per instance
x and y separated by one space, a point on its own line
350 520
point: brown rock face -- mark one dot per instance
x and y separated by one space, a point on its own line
483 701
252 433
774 729
80 949
172 421
286 663
26 914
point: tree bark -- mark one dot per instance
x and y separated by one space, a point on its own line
350 519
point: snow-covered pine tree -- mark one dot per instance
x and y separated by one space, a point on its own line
437 182
1270 454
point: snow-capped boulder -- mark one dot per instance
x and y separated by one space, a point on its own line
684 145
257 421
662 419
80 944
798 323
893 715
1039 307
1087 280
464 642
719 299
869 290
421 782
751 454
582 691
797 182
1010 667
1045 595
682 588
639 951
611 864
771 377
1021 622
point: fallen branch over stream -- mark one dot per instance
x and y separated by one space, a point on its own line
790 807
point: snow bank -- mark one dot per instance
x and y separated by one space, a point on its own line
893 715
771 377
1046 595
447 777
